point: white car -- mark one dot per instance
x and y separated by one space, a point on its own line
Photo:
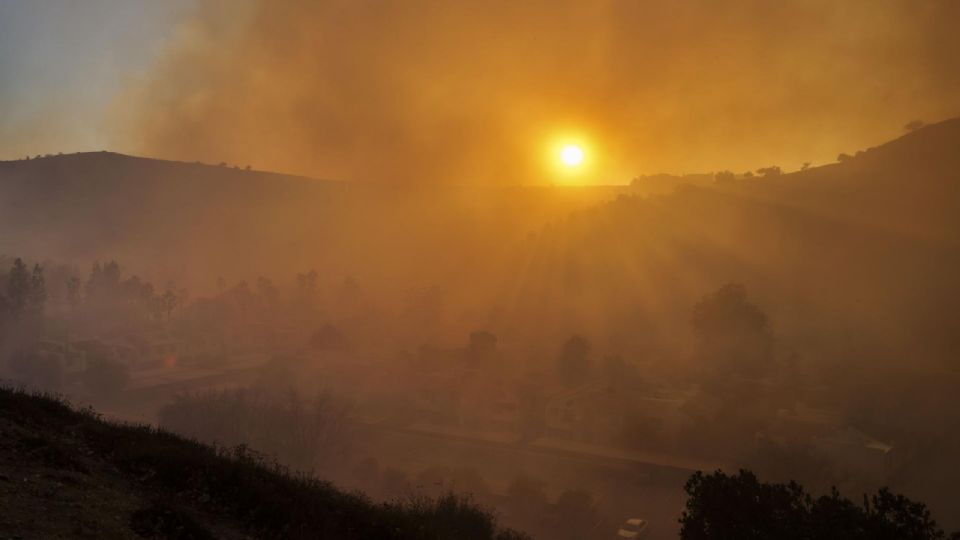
635 528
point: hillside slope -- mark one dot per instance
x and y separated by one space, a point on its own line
65 473
908 186
854 261
194 223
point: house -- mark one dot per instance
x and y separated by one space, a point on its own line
601 414
828 437
590 413
133 350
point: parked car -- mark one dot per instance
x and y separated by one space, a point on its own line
635 529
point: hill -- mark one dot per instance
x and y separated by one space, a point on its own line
66 473
193 223
908 186
854 261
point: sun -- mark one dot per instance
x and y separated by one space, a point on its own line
571 155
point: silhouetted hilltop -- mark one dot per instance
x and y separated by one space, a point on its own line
65 473
910 185
92 203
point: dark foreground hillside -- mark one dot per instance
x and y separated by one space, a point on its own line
66 473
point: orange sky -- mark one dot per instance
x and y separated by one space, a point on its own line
438 91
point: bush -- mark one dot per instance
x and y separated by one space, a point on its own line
740 506
266 498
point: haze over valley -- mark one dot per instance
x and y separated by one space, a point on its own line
414 270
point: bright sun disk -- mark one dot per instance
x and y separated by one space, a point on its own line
571 155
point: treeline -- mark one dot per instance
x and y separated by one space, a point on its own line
23 299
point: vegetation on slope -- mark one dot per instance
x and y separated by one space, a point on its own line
68 473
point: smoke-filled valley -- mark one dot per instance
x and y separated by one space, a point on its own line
578 346
480 271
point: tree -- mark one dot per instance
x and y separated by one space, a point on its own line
733 333
18 288
724 177
573 364
73 292
806 165
844 157
307 282
169 302
307 288
38 290
914 125
772 170
741 507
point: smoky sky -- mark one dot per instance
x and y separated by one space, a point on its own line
439 91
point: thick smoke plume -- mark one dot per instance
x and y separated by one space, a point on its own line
433 91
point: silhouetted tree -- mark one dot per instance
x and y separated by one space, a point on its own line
914 125
18 288
38 290
307 282
73 292
843 157
168 302
724 177
268 293
740 507
805 166
733 333
772 170
307 287
573 364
